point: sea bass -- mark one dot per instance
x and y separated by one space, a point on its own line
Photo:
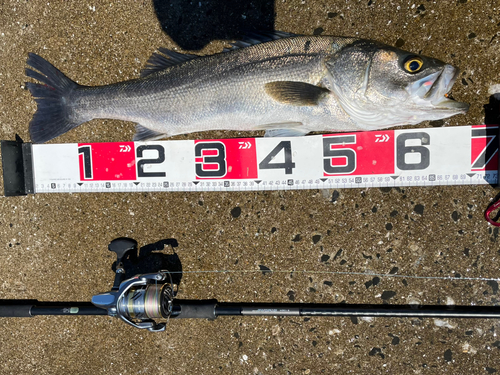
286 85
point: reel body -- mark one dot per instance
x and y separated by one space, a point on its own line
140 301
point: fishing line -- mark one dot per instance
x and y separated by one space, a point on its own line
448 278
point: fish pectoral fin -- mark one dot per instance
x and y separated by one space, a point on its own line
285 132
163 60
283 129
144 134
295 93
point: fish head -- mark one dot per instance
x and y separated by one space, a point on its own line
381 86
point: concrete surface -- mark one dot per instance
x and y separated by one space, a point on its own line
54 246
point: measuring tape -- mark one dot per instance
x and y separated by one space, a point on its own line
463 155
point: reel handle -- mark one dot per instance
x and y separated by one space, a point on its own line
121 246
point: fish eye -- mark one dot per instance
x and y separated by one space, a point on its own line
413 64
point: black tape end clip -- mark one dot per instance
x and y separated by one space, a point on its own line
17 165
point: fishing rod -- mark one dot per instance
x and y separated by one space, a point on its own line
148 301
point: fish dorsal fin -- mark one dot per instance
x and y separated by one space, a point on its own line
253 38
144 134
163 60
166 58
295 93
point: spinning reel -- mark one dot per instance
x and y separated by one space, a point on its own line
141 300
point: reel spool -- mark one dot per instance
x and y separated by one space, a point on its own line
150 302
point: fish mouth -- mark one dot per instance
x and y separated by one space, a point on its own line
433 90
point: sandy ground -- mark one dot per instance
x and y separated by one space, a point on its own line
54 246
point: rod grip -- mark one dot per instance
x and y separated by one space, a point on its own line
15 311
196 309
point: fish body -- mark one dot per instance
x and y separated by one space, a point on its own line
286 86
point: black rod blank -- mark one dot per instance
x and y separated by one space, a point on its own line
210 309
80 309
29 308
402 311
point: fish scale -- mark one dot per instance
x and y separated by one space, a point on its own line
296 84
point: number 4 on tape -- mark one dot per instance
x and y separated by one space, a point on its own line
463 155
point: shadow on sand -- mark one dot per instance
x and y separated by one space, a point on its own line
194 24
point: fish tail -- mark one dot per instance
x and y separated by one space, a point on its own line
52 117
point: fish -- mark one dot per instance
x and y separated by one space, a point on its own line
285 84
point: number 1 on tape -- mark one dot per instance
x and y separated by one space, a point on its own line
461 155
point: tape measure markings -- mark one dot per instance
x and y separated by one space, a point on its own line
464 155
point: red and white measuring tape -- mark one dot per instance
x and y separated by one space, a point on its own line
464 155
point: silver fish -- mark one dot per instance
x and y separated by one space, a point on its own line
286 85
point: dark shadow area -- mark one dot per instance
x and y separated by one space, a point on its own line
492 110
153 258
193 24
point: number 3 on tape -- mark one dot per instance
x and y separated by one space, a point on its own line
410 157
